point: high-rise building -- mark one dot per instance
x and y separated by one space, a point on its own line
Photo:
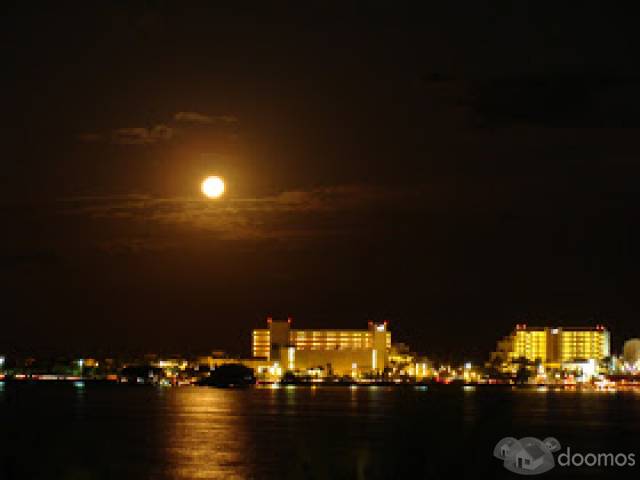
552 347
339 352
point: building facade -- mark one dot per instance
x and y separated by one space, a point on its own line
335 352
552 347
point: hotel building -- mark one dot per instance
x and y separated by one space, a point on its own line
337 352
553 347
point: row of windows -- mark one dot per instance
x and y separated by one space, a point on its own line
322 333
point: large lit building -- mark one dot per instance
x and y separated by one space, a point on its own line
552 347
337 352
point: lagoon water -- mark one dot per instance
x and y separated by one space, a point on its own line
62 431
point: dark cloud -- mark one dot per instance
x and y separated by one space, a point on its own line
141 135
195 117
131 135
290 214
161 132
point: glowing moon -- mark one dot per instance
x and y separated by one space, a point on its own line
213 187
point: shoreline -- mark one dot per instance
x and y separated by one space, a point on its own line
426 386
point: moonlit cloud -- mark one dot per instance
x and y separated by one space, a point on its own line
142 135
161 132
291 214
195 117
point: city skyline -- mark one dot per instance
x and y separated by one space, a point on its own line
459 355
553 356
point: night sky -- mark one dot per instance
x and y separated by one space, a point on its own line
455 170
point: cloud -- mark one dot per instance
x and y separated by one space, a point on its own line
161 132
141 135
340 197
195 117
317 213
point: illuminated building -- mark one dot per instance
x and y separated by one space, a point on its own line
337 352
553 347
90 363
631 353
402 362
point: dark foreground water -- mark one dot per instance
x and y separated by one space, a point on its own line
115 432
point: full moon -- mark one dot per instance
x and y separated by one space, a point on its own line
213 187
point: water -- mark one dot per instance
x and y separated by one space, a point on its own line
53 431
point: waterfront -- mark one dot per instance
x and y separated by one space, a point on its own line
102 432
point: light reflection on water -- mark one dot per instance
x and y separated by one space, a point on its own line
300 432
206 434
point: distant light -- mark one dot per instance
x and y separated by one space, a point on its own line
467 365
213 187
